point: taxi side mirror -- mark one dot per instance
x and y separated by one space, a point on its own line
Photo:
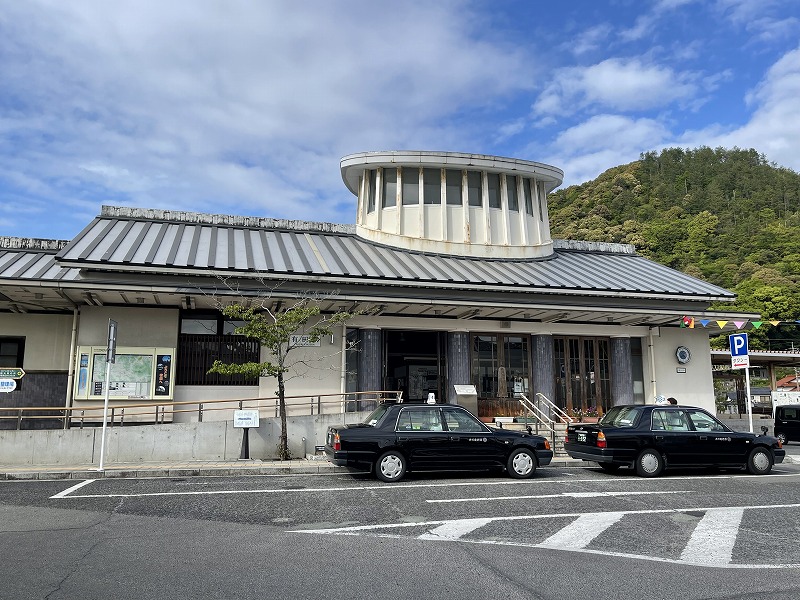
764 430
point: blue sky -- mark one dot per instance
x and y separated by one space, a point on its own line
246 107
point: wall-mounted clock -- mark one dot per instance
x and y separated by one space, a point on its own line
683 355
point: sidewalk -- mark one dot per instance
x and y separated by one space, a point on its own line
310 465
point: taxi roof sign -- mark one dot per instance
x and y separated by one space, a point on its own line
12 373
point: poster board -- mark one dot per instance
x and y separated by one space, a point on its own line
138 373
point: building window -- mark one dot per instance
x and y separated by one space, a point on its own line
389 188
209 336
410 186
432 179
526 188
371 190
493 188
511 190
474 195
12 351
453 184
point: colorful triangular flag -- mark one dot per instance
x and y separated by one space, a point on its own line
687 322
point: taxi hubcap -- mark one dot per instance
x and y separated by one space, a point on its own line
522 463
390 466
761 461
650 463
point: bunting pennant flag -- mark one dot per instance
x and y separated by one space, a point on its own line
687 321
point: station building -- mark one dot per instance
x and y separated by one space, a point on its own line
450 265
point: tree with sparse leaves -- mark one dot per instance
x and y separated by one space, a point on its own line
275 330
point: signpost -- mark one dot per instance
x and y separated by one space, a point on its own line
740 359
111 354
13 373
245 419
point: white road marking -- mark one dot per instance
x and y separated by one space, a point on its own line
453 530
713 539
400 486
77 486
562 495
711 545
581 531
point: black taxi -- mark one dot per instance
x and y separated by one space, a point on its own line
650 438
400 437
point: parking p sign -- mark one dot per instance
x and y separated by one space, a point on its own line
740 359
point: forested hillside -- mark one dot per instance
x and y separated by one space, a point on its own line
726 216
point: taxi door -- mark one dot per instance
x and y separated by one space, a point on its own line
673 436
471 444
421 436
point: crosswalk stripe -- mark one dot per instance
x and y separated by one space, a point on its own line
581 531
714 537
453 530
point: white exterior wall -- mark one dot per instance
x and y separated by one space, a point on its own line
47 339
695 387
145 327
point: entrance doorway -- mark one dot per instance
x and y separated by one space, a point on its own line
414 363
501 372
583 375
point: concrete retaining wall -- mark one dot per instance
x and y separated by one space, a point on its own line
217 440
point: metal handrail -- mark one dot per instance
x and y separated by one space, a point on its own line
562 415
537 413
157 411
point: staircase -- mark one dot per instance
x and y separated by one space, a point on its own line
555 434
544 418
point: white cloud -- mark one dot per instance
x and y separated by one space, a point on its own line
617 84
589 148
774 127
159 104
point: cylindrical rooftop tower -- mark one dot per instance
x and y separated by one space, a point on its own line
453 203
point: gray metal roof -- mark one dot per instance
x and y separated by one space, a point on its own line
167 246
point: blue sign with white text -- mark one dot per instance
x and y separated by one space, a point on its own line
738 342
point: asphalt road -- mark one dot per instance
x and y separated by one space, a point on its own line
571 533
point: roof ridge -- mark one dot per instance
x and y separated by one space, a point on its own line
587 246
21 243
182 216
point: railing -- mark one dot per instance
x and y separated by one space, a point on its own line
164 412
563 417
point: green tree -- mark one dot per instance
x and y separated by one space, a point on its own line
280 332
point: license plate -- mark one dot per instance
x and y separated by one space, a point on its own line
581 437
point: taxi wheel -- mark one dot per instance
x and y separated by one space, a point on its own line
649 463
781 438
760 461
521 464
391 466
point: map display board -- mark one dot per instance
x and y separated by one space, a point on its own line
137 373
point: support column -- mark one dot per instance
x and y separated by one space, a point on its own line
458 368
544 371
370 360
621 371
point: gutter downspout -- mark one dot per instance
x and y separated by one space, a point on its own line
652 361
71 368
343 380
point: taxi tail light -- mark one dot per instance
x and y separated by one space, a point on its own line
780 444
337 442
601 439
546 444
